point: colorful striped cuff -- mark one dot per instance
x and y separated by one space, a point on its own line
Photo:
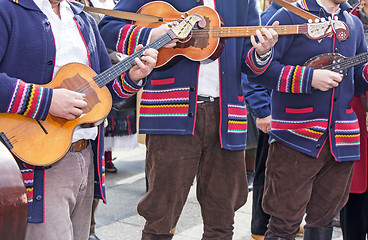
130 36
254 65
29 100
295 79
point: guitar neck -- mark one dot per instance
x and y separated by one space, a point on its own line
249 31
355 60
128 62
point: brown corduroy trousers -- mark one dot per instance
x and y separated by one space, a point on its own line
296 184
173 161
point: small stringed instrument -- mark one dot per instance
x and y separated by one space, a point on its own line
42 143
336 62
205 42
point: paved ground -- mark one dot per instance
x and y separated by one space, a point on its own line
118 220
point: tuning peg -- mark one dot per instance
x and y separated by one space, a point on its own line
182 16
316 20
336 18
323 19
310 21
329 18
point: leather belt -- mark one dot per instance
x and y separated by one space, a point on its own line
79 145
201 99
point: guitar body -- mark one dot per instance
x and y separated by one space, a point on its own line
13 198
29 141
197 46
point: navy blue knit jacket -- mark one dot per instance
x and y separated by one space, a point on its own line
304 118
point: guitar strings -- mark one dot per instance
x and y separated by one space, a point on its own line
346 63
14 134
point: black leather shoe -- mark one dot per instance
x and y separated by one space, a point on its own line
318 233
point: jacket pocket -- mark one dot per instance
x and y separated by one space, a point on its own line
237 118
299 110
165 103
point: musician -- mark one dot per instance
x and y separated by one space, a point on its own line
37 38
187 112
314 132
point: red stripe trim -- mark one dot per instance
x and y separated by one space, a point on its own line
163 110
284 79
18 97
299 110
347 139
349 111
238 126
329 124
346 126
123 35
162 81
164 95
284 126
237 111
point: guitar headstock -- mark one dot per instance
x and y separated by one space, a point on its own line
324 29
185 26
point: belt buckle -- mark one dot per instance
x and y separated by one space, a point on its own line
212 99
79 145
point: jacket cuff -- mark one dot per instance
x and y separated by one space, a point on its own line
30 100
295 79
130 36
125 87
263 112
257 67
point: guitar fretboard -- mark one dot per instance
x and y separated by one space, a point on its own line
128 62
355 60
249 31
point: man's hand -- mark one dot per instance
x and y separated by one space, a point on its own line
67 104
161 30
144 65
324 80
266 41
264 124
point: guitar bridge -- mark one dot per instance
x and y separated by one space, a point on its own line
5 141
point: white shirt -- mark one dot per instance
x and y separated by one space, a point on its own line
70 48
209 71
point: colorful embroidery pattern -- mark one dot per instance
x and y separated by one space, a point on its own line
291 79
26 99
237 116
311 129
122 88
347 133
131 34
28 176
165 103
303 4
251 62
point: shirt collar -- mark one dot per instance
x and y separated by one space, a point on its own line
315 6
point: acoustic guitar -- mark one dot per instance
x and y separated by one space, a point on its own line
42 143
207 42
